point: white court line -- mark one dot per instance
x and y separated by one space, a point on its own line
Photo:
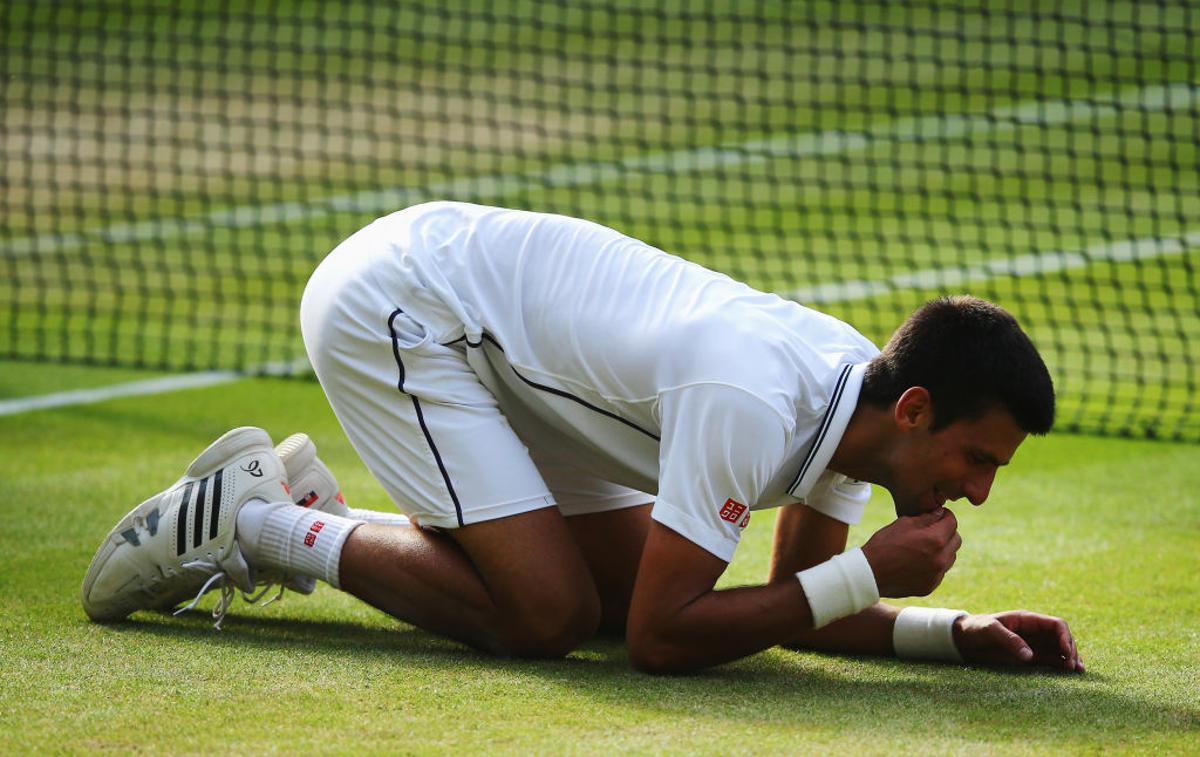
140 388
1033 264
1181 97
130 389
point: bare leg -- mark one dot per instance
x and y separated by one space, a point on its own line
611 543
516 585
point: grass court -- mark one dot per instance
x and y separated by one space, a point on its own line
162 211
1100 531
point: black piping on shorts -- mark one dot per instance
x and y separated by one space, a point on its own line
551 389
421 416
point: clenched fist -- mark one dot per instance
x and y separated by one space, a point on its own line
911 555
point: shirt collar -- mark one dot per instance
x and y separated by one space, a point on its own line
842 402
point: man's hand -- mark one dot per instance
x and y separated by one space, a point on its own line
911 555
1017 638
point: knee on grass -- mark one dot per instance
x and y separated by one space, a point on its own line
550 626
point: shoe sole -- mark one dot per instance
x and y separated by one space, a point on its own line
230 445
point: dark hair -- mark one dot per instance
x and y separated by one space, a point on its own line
971 355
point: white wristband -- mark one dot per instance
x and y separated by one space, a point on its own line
842 585
926 633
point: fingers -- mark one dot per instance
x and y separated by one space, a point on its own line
911 555
1057 646
1068 656
925 520
1023 639
950 551
1066 643
950 521
945 531
945 524
954 543
1013 643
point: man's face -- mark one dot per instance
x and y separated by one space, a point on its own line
956 461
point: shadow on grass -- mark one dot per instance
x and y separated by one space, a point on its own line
792 689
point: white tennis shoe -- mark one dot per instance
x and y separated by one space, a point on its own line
181 542
312 483
313 486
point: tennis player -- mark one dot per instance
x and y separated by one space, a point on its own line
578 427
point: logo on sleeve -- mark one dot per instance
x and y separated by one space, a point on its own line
733 511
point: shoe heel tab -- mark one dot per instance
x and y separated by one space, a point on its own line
231 444
296 453
293 445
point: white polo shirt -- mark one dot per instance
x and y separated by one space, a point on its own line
642 368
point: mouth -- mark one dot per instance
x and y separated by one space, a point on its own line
933 500
925 503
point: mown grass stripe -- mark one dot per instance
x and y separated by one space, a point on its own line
1180 97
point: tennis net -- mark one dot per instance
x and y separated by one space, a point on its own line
173 171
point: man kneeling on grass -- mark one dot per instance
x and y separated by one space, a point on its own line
578 426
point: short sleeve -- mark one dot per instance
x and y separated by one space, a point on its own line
839 497
720 447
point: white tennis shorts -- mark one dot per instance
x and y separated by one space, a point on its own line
417 414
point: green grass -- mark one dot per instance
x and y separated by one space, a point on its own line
1100 531
119 114
20 378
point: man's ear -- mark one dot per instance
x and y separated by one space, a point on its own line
914 409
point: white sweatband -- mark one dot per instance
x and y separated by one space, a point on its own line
926 633
841 586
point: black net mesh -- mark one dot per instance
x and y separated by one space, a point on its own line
174 170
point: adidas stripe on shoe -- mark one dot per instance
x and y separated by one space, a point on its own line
181 541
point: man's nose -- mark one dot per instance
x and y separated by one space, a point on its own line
977 488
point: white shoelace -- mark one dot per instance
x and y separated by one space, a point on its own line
220 578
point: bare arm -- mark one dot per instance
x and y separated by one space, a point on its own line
678 621
804 538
